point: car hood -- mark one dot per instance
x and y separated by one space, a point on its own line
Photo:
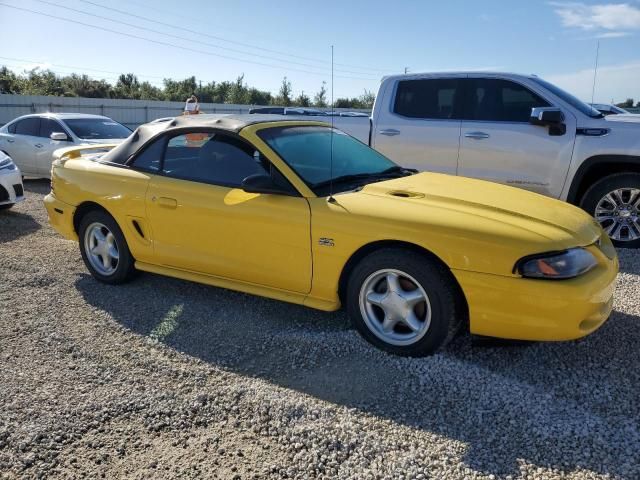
491 209
623 117
95 141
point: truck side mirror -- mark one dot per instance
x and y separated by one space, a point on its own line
545 116
551 117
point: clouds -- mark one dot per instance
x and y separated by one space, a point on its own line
606 20
614 82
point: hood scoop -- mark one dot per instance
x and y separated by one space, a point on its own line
405 194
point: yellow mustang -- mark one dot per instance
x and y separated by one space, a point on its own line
299 212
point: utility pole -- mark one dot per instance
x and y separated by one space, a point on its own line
595 72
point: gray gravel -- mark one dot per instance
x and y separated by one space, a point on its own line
163 378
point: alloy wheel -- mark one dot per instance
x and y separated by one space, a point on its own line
395 307
618 214
101 249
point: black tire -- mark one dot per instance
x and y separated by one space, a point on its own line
444 296
602 187
124 269
6 206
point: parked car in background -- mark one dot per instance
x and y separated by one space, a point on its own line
608 109
297 211
11 189
518 130
30 140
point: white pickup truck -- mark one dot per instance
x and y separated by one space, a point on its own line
514 129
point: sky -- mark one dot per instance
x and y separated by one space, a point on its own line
265 41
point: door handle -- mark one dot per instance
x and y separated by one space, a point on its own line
476 135
390 132
38 145
167 202
10 140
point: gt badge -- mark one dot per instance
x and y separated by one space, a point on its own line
326 242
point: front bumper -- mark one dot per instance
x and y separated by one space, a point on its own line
11 189
61 216
544 310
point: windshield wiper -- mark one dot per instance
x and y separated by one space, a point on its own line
392 172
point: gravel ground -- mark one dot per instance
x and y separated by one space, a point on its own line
163 378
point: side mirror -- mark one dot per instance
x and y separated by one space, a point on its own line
545 116
59 136
260 183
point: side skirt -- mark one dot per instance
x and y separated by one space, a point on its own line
253 289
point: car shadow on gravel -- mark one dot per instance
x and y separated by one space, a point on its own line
564 406
14 225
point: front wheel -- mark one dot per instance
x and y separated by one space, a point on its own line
104 248
614 202
6 206
404 303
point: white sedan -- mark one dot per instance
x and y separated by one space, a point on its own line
11 190
30 140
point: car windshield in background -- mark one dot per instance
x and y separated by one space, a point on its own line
90 128
570 99
307 150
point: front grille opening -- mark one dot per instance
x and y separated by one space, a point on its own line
4 195
18 189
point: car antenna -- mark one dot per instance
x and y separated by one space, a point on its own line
331 199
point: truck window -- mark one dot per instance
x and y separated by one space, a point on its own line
500 101
428 98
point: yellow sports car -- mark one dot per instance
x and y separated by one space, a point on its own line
301 212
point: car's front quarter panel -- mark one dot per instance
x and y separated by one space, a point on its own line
119 190
481 253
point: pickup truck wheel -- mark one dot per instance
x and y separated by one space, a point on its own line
104 248
403 303
614 202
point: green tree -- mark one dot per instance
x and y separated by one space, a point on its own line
127 86
302 100
238 93
628 103
320 99
180 90
41 82
284 95
9 81
149 92
82 86
259 97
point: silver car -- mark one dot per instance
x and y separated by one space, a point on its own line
30 140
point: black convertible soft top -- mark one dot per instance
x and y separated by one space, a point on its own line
144 133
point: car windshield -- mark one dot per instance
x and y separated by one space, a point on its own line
570 99
90 128
307 150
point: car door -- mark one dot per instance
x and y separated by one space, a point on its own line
499 144
203 222
420 128
46 146
20 144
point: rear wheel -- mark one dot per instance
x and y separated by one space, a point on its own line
614 202
6 206
104 248
403 303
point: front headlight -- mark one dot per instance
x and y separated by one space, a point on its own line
558 265
7 164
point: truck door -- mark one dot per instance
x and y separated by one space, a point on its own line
499 144
419 123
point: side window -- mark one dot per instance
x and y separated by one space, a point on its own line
149 159
48 126
211 158
28 126
12 128
500 101
428 98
